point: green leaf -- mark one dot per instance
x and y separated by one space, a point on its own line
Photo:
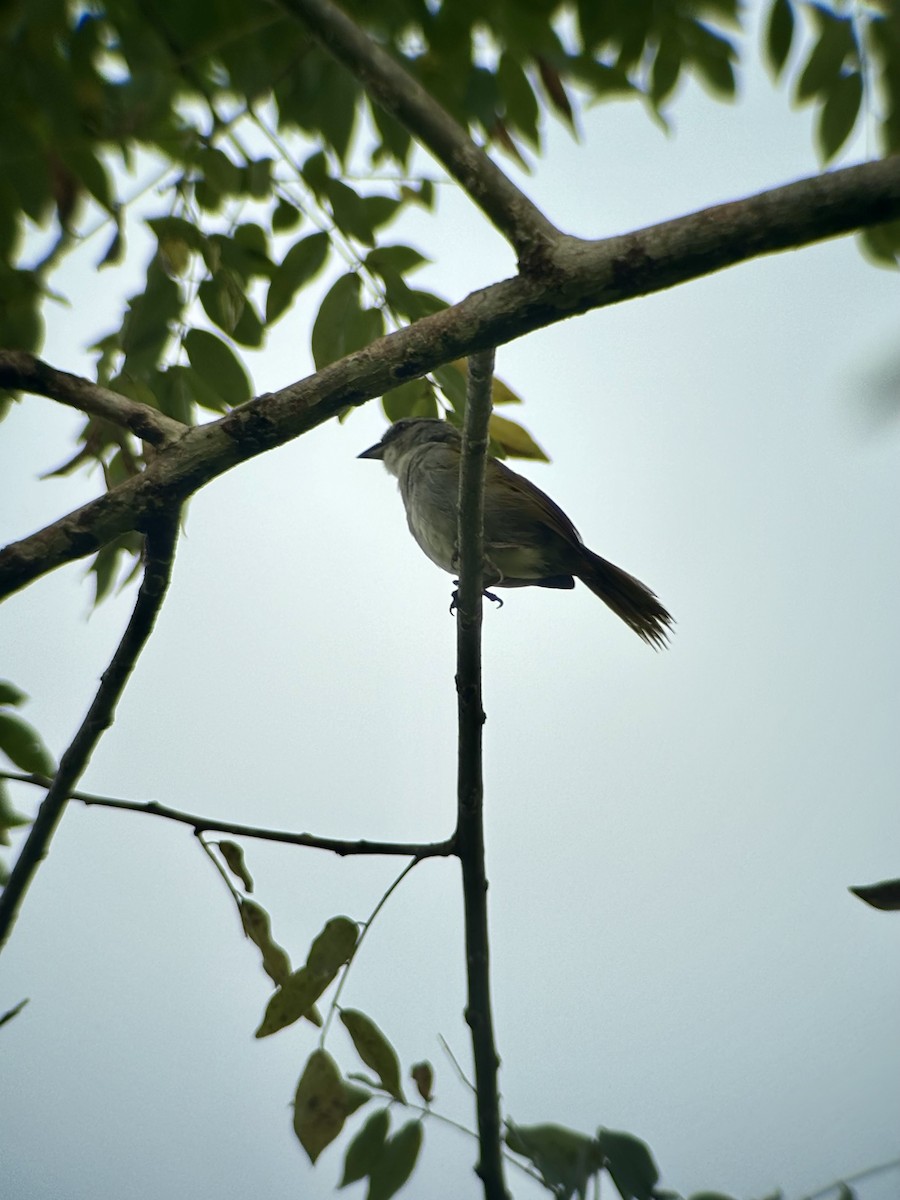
9 817
220 174
320 1106
413 399
302 263
823 67
13 1012
275 961
348 211
839 113
395 141
233 855
146 328
565 1158
522 109
629 1163
217 366
884 895
374 1049
338 326
515 441
286 216
779 35
333 947
10 694
452 381
397 1162
666 69
366 1148
223 299
881 244
394 260
293 1000
22 744
422 1074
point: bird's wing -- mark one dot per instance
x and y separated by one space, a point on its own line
536 504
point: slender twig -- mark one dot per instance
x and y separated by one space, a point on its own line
19 369
523 224
159 550
445 1046
470 794
586 275
849 1180
200 824
367 925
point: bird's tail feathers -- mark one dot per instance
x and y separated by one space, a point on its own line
627 597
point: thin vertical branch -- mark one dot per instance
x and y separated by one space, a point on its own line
470 793
159 550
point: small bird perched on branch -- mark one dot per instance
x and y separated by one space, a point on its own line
528 540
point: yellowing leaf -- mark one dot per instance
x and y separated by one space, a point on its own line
514 440
374 1049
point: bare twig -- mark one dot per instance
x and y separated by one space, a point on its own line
159 550
200 824
585 275
470 811
21 370
523 224
367 925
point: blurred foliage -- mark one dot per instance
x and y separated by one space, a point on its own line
22 745
256 168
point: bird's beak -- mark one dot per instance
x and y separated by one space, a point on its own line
376 451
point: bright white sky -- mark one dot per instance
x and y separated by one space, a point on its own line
670 836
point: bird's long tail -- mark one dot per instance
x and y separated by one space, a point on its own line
627 597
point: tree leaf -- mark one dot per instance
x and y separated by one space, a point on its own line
422 1074
291 1001
514 440
366 1148
397 1162
374 1049
333 947
839 113
10 694
413 399
779 35
13 1012
565 1158
884 895
223 299
9 817
823 67
302 263
320 1107
233 855
629 1163
22 744
218 366
342 325
275 960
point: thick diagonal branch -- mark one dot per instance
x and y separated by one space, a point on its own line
519 220
470 788
159 551
583 276
20 370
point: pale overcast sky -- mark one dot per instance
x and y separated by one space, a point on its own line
670 836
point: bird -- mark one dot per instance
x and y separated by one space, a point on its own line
528 540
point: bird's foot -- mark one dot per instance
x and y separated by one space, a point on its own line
454 599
